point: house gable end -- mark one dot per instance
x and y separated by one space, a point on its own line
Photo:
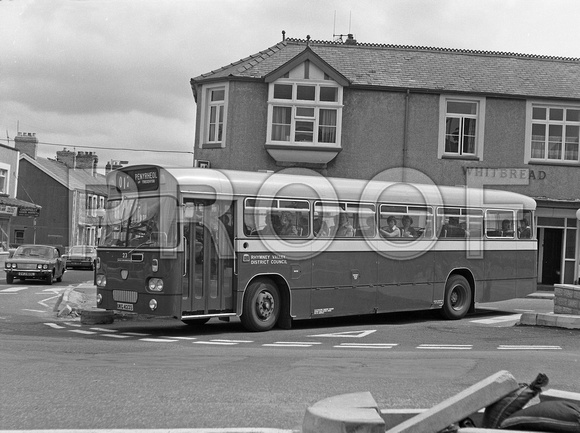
307 55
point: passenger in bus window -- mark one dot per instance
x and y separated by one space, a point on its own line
391 230
303 226
369 231
272 224
506 229
408 231
344 227
452 229
286 227
319 226
524 232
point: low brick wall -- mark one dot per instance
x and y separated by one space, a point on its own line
566 299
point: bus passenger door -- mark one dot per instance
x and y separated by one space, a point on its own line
208 283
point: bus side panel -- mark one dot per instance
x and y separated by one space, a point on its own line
500 273
296 273
452 256
527 271
343 279
405 278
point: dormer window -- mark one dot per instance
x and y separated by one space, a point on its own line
305 108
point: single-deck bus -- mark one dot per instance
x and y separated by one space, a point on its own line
270 248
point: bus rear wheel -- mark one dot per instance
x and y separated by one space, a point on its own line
261 306
457 299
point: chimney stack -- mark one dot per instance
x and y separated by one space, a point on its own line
26 142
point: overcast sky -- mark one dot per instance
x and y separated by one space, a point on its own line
114 74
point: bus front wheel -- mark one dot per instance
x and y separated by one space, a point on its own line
261 306
457 299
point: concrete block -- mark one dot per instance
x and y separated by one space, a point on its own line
555 394
528 319
348 413
569 321
546 320
96 316
461 405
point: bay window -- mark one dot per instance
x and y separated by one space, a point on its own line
304 113
553 133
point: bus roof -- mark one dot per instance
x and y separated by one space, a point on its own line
315 186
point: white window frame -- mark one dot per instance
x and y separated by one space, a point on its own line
480 127
206 105
294 104
530 105
5 174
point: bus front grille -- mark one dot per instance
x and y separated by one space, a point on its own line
125 296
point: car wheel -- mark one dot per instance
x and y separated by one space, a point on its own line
9 279
48 279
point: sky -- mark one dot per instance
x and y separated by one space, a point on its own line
113 76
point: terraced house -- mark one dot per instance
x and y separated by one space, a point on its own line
361 110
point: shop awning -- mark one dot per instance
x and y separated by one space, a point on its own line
16 207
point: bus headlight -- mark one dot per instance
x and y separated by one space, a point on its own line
101 280
155 284
153 304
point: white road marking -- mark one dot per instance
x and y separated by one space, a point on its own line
446 346
82 331
217 343
366 346
54 326
136 334
13 289
115 336
43 302
34 311
351 334
182 338
157 340
291 344
526 347
103 330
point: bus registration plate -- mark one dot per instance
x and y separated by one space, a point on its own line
125 307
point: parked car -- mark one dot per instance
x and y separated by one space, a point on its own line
39 262
81 256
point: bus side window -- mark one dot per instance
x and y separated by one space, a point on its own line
525 222
499 224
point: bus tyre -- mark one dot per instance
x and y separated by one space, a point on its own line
457 299
261 306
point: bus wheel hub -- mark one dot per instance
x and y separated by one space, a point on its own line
265 304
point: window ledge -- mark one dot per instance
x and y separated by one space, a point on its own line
558 163
303 154
462 157
212 146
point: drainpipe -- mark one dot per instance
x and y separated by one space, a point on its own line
405 133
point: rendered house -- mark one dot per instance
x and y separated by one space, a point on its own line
450 117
